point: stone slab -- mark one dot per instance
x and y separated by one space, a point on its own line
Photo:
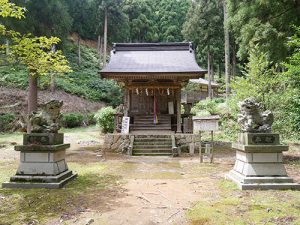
258 139
42 168
30 185
43 139
41 148
260 169
259 183
41 179
259 157
260 148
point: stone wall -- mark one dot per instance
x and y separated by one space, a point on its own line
184 141
120 142
116 142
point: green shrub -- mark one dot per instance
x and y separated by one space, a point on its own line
90 119
71 120
6 121
105 119
210 106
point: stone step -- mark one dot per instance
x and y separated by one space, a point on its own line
157 151
139 143
152 136
136 147
151 125
151 122
150 128
151 119
152 154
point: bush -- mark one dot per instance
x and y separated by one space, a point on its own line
90 119
71 120
6 121
105 119
208 107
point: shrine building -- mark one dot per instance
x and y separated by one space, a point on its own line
152 75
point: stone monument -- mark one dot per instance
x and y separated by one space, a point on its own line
259 158
42 155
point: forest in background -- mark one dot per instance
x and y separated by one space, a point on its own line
261 39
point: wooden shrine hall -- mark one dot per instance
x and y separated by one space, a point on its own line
152 75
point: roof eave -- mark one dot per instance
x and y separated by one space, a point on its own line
187 74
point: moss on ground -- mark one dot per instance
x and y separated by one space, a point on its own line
247 207
24 206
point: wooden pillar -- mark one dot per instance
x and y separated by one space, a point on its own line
126 103
178 104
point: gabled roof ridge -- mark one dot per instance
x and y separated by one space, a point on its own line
161 46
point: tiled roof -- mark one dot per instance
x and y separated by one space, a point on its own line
204 82
153 58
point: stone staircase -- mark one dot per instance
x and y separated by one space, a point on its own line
152 145
147 123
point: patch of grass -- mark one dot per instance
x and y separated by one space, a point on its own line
227 185
217 212
25 206
80 129
11 137
250 207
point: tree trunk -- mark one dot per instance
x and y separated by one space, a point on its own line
98 43
100 52
52 83
227 51
79 50
52 78
105 37
7 47
233 59
212 68
209 75
219 70
32 98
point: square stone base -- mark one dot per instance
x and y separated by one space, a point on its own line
262 183
51 182
42 163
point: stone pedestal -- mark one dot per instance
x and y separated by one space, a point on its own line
259 163
42 162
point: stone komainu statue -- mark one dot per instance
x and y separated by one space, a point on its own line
252 119
48 120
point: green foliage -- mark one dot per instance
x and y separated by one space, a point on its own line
9 9
209 107
293 64
85 82
266 23
72 120
43 18
262 81
105 119
89 119
204 26
6 121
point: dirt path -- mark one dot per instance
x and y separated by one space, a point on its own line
114 189
158 190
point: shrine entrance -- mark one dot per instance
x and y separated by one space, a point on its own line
151 101
152 76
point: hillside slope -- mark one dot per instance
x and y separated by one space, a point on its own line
14 100
84 81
